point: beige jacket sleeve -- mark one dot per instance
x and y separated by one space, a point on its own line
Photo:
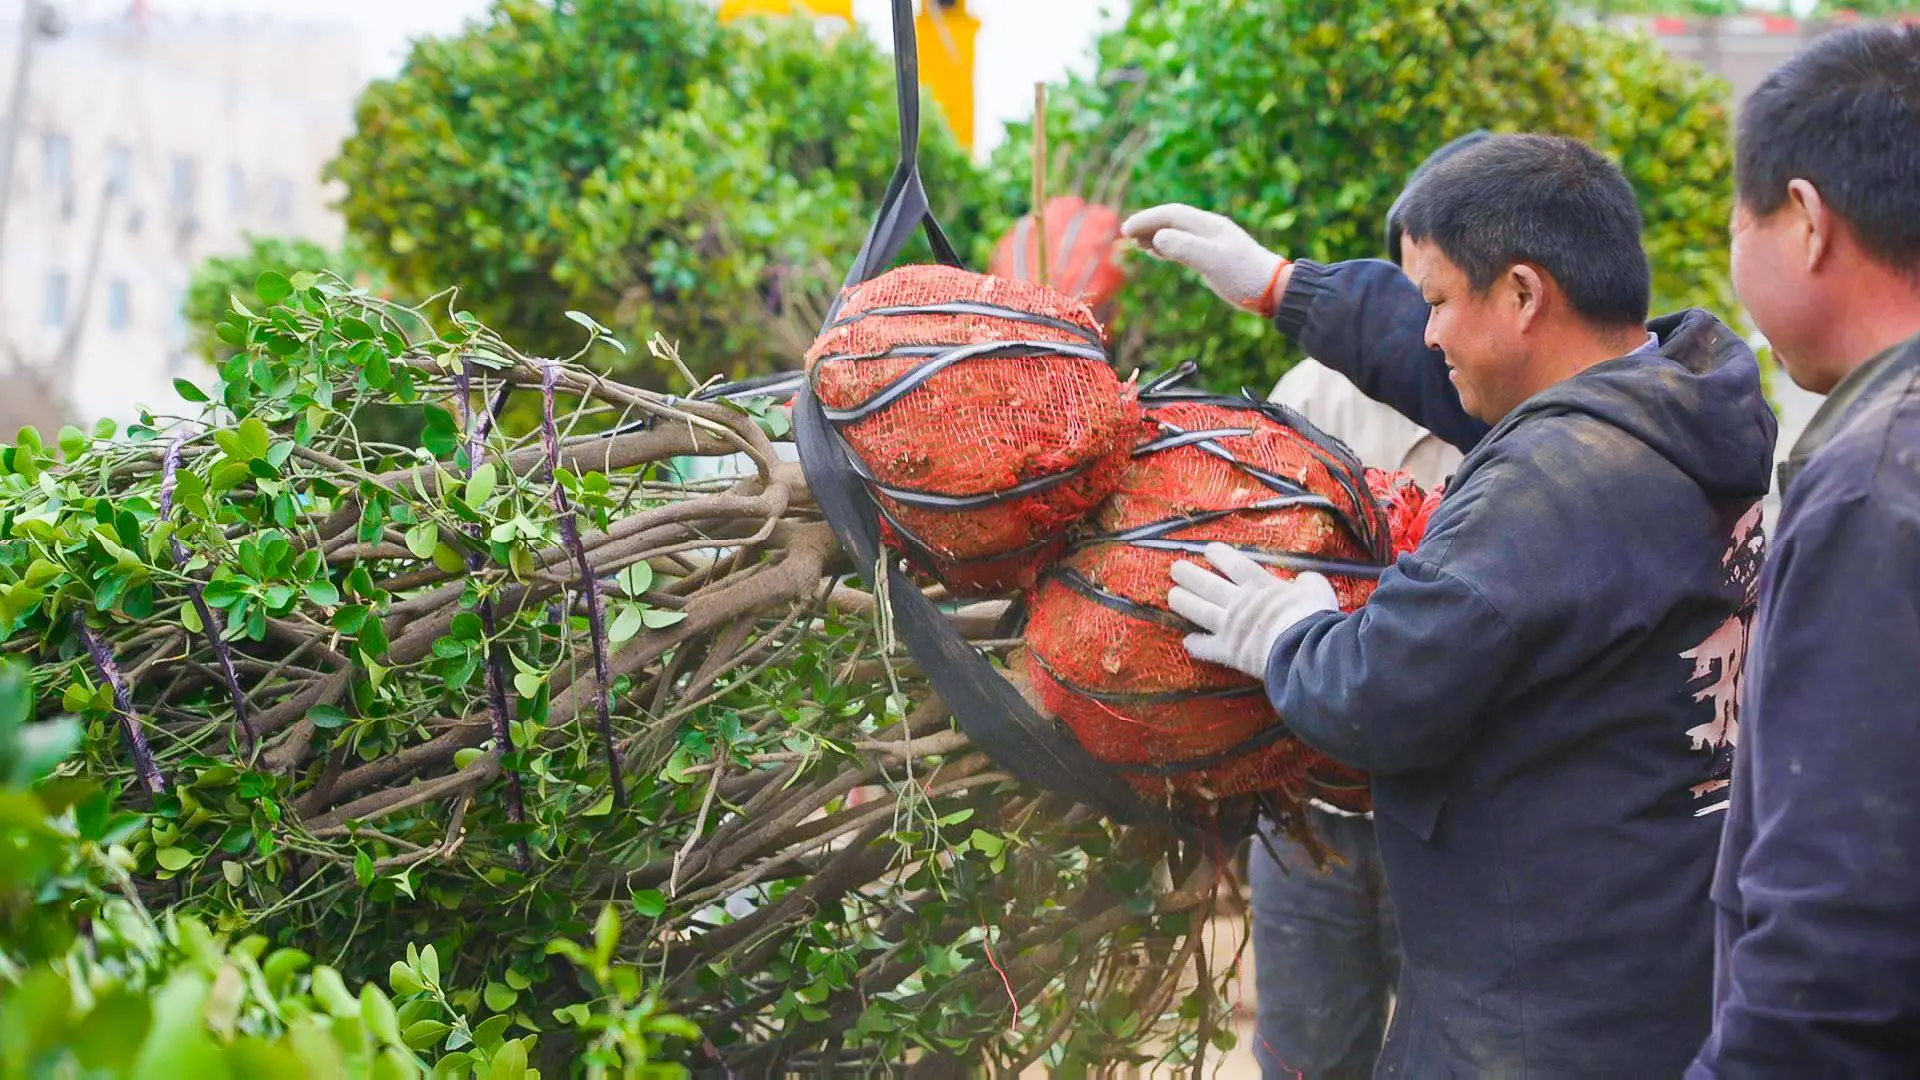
1377 435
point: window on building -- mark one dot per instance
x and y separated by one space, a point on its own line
282 198
236 190
54 312
183 179
119 304
120 167
58 170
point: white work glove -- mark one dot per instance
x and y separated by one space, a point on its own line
1245 612
1233 264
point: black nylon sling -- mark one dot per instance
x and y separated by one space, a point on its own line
987 707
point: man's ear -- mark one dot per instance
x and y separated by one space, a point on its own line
1527 288
1815 221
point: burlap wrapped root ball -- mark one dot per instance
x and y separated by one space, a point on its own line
983 414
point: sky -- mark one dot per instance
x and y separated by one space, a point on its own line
1021 41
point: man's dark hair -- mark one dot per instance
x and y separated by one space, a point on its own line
1471 138
1542 199
1843 115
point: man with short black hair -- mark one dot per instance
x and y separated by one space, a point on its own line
1818 888
1539 690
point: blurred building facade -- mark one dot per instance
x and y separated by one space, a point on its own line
143 146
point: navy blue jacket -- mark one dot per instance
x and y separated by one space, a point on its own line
1542 690
1818 888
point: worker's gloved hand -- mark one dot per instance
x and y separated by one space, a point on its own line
1246 611
1233 264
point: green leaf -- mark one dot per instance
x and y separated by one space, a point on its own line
500 997
404 981
467 756
363 867
987 843
331 992
509 1062
323 592
635 580
447 560
659 618
480 486
73 442
651 903
606 933
601 807
272 287
234 872
327 717
625 624
429 966
190 618
422 539
178 1043
254 436
587 321
173 858
487 1034
528 685
377 1011
422 1034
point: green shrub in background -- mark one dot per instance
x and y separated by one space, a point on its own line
635 160
1301 119
1669 127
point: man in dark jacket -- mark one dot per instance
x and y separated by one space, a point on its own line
1540 690
1818 887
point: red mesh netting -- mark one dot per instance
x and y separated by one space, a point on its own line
1118 674
981 425
1080 250
1407 507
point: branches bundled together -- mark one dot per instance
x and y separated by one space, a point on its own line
409 636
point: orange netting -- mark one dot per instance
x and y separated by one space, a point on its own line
1407 507
1110 661
1080 250
1041 408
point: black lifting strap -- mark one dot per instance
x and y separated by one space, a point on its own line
986 705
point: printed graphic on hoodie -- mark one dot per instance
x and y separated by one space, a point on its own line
1720 660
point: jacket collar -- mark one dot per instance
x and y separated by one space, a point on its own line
1888 373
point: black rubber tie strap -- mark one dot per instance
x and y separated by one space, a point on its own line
1265 738
1187 438
1077 583
1299 564
973 307
986 706
1371 531
928 500
945 357
1157 529
932 560
1149 697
